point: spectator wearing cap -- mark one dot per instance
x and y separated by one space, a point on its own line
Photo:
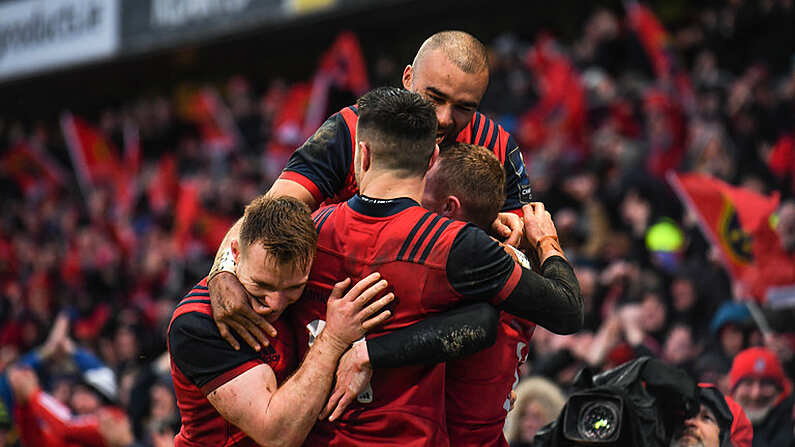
720 422
730 329
759 385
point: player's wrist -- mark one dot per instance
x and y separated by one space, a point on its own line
333 341
361 355
225 263
547 246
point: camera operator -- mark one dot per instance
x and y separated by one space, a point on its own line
720 422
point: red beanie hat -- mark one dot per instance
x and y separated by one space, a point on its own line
758 363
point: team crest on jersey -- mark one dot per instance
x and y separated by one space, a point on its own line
734 239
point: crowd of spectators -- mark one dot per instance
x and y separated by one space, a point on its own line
86 284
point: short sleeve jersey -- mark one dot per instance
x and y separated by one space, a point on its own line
432 264
324 163
201 361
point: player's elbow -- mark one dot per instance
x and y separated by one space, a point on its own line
573 317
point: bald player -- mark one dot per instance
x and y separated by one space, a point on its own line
451 71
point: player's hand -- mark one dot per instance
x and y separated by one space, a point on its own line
233 308
350 316
23 382
509 226
537 223
353 375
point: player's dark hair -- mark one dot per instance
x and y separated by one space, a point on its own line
401 128
283 226
474 175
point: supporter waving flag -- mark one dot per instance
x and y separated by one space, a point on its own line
657 43
97 161
730 217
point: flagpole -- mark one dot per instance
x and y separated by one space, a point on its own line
75 154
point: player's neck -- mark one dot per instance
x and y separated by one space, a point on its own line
384 185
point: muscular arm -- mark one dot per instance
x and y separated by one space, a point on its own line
440 338
280 416
479 268
551 300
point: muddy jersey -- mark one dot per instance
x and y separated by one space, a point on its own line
324 163
432 264
201 361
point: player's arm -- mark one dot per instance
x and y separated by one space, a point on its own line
479 268
316 170
440 338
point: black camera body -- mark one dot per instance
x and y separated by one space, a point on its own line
639 403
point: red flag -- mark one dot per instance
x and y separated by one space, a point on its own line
94 157
772 277
782 159
186 213
729 216
164 184
127 184
561 109
32 168
192 220
216 124
657 43
341 66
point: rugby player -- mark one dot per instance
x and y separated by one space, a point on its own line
451 71
241 397
433 263
466 184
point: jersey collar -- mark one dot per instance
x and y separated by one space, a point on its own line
380 207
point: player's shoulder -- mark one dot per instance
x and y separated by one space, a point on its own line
486 132
427 235
193 307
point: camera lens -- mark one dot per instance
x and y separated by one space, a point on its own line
598 420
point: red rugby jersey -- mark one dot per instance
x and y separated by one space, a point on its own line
201 361
477 387
432 263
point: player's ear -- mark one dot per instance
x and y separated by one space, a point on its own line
235 246
407 76
451 207
434 157
364 156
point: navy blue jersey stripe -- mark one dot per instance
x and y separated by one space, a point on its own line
200 287
413 231
325 216
475 127
494 137
354 109
322 215
422 237
195 294
193 301
433 240
486 130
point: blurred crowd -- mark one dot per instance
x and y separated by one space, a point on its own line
88 281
